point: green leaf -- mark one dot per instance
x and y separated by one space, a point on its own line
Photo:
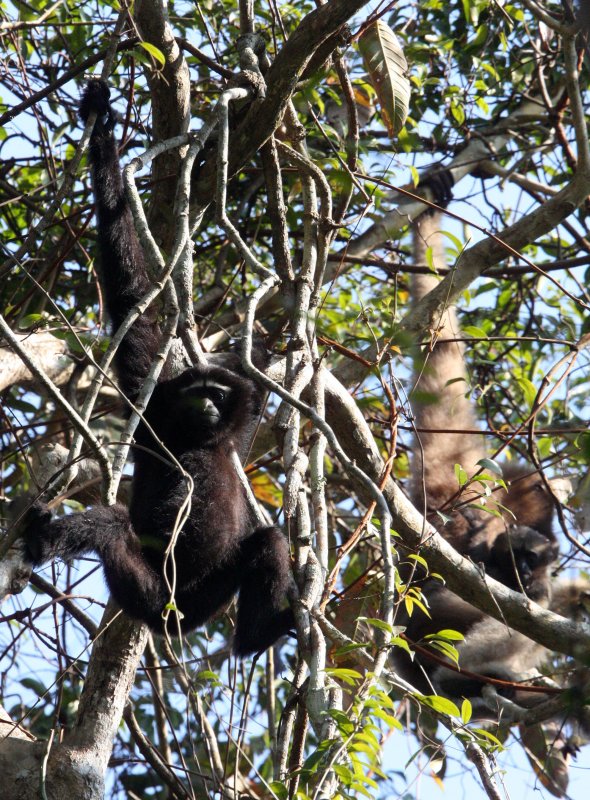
29 321
345 726
466 710
348 648
410 602
545 446
460 475
488 509
458 244
313 760
441 704
429 256
370 735
377 623
529 390
208 676
359 788
173 607
388 719
154 51
74 343
34 685
487 735
348 676
362 747
474 332
446 649
419 559
22 405
279 789
386 64
482 105
493 466
381 697
448 634
479 39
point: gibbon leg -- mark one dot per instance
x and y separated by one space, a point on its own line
199 601
264 565
106 530
74 535
139 590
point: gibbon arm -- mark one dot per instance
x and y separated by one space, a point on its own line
124 275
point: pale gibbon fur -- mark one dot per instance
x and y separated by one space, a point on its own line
518 548
447 425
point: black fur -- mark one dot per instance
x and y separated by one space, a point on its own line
218 552
123 275
441 183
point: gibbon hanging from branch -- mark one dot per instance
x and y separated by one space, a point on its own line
200 417
517 547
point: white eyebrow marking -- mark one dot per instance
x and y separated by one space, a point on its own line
203 383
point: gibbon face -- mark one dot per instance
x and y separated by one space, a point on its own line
520 558
201 407
204 402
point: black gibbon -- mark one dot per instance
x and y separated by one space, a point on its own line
200 416
517 548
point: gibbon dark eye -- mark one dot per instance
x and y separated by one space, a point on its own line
218 396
